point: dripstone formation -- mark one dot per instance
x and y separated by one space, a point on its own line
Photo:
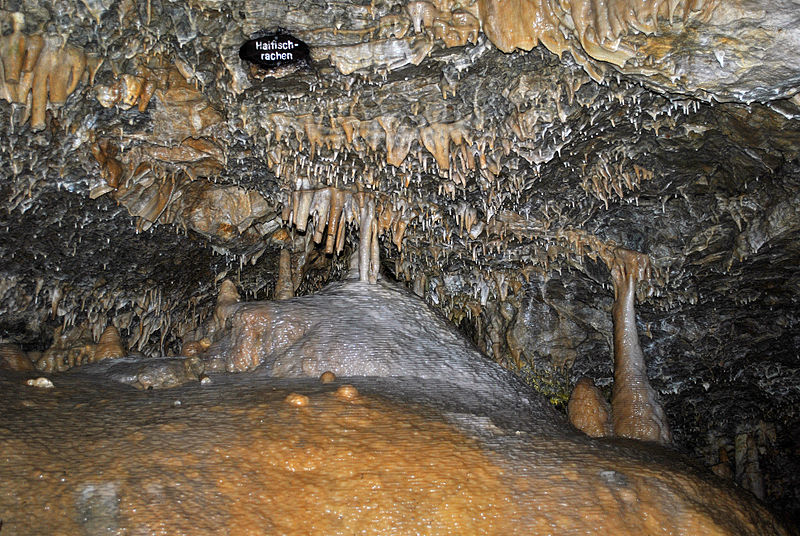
497 159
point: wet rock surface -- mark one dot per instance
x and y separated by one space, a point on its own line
382 390
143 163
354 328
397 453
163 373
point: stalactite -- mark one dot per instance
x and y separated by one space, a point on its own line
331 209
366 224
38 69
284 288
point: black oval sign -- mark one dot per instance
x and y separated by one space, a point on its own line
274 50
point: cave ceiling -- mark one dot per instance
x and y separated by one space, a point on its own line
509 147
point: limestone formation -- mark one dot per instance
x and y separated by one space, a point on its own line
13 358
589 411
227 299
417 393
493 157
674 46
636 410
108 347
75 348
39 70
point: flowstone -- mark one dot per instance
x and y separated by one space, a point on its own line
362 411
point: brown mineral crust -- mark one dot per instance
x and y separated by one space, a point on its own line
13 358
347 392
327 377
176 476
223 211
596 26
645 495
238 456
195 348
109 346
105 152
182 111
158 184
588 410
130 89
199 157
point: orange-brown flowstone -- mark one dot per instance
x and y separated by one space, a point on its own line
255 464
588 410
234 458
327 377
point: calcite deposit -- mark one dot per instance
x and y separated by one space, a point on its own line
13 358
589 411
425 435
491 157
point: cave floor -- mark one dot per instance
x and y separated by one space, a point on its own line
250 455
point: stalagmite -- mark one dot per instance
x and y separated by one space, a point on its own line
588 410
636 411
109 346
375 251
723 468
748 472
366 222
227 298
74 348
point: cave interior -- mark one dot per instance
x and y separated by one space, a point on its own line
506 148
